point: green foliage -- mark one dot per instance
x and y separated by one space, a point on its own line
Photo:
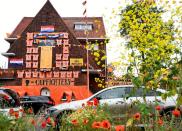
83 118
4 122
24 124
150 40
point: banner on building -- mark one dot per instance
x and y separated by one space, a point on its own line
76 61
16 62
46 57
47 82
48 28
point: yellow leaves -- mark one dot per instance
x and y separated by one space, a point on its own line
96 59
96 54
127 18
98 63
103 58
99 85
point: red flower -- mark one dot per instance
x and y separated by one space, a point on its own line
96 125
48 120
137 116
11 111
85 121
120 128
74 122
30 111
176 113
89 103
43 125
96 102
21 110
33 122
158 108
160 122
106 124
16 115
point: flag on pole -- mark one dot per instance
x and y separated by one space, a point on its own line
84 2
84 13
85 8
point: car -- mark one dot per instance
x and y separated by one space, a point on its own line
38 104
10 103
118 100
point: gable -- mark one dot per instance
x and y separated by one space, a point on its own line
46 16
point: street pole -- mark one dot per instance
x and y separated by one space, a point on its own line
87 43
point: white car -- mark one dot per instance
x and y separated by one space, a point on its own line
118 99
10 103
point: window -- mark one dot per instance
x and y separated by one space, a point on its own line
34 74
64 98
56 74
58 63
65 56
28 65
35 64
75 74
63 74
83 26
35 57
29 50
29 42
20 74
35 50
112 93
58 56
66 49
69 74
141 92
73 98
28 74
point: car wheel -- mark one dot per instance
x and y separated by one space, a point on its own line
59 119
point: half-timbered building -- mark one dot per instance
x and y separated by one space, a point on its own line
48 55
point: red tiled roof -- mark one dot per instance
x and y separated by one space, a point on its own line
97 32
21 27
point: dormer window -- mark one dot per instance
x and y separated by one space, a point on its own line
83 26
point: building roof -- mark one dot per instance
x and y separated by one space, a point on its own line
98 31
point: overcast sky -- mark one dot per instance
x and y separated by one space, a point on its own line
12 11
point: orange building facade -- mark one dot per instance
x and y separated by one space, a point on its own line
47 56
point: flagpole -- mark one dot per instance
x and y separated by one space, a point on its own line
87 43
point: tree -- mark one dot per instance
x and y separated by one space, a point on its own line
150 41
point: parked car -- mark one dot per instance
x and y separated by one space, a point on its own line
10 103
118 100
38 104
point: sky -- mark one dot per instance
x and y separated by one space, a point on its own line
12 11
